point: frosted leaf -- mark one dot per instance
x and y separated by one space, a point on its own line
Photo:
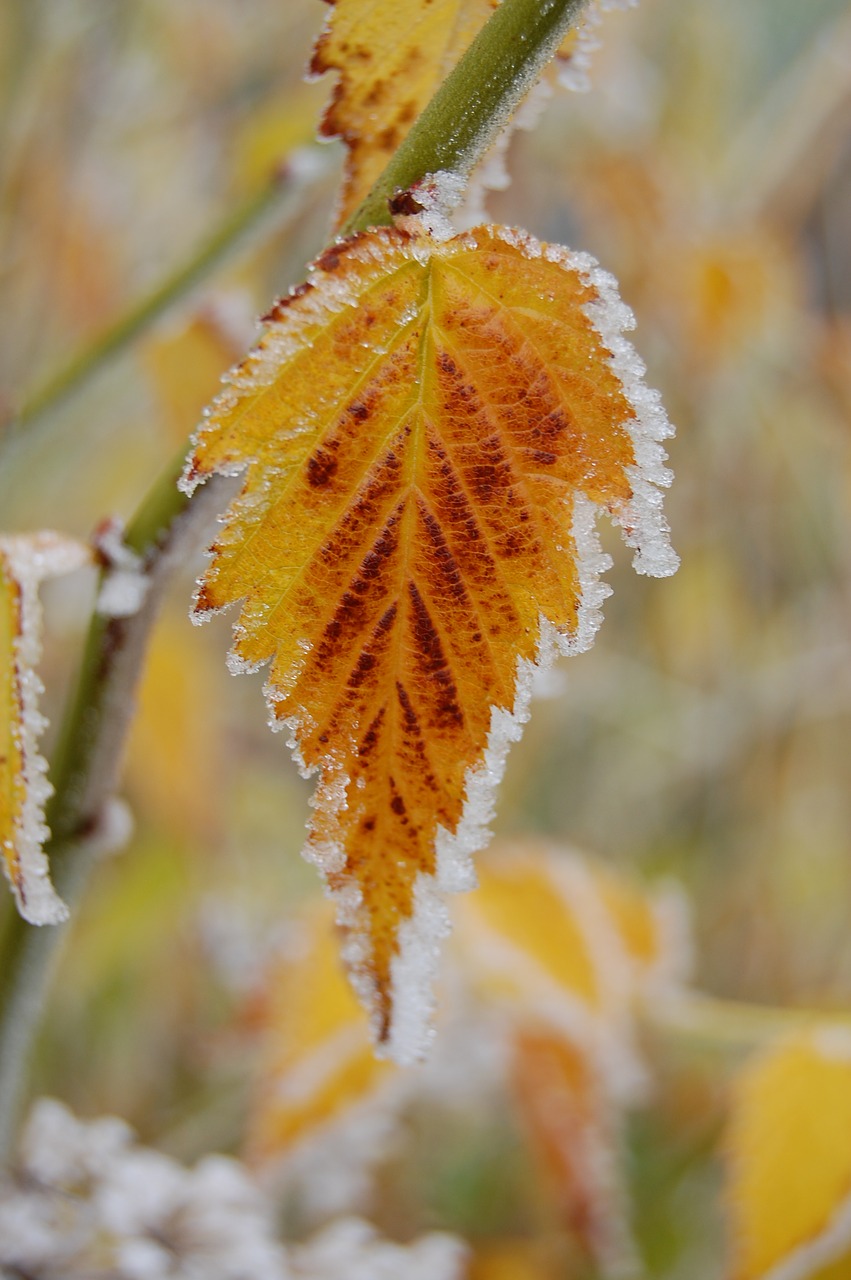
25 561
427 428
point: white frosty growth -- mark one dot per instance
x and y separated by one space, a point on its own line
641 518
351 1248
88 1201
85 1200
25 561
438 194
574 71
124 584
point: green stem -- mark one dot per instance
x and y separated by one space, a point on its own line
221 244
475 101
731 1025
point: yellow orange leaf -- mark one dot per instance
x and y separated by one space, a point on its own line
789 1143
318 1064
391 59
25 561
428 430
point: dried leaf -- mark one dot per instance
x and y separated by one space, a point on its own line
391 59
428 429
25 561
789 1189
574 1127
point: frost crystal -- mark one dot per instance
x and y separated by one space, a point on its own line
351 1249
25 561
90 1203
124 584
574 71
87 1203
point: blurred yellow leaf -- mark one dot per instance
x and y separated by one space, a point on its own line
512 1260
175 755
391 59
186 365
789 1145
553 932
25 561
318 1063
427 430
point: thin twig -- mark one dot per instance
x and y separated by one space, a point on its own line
476 100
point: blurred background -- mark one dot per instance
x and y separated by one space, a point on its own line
159 185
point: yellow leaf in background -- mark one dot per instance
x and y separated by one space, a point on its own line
574 1127
391 58
553 932
175 760
653 928
185 365
427 431
318 1061
531 929
789 1149
513 1260
25 561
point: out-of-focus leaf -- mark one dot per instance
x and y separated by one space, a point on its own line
186 365
789 1183
25 561
551 932
318 1062
574 1127
391 59
512 1260
427 430
175 754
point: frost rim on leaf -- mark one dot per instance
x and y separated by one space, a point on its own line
325 294
28 559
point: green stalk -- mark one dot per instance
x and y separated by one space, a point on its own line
707 1022
475 101
452 134
224 241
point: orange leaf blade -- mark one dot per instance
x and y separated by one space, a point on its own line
428 430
